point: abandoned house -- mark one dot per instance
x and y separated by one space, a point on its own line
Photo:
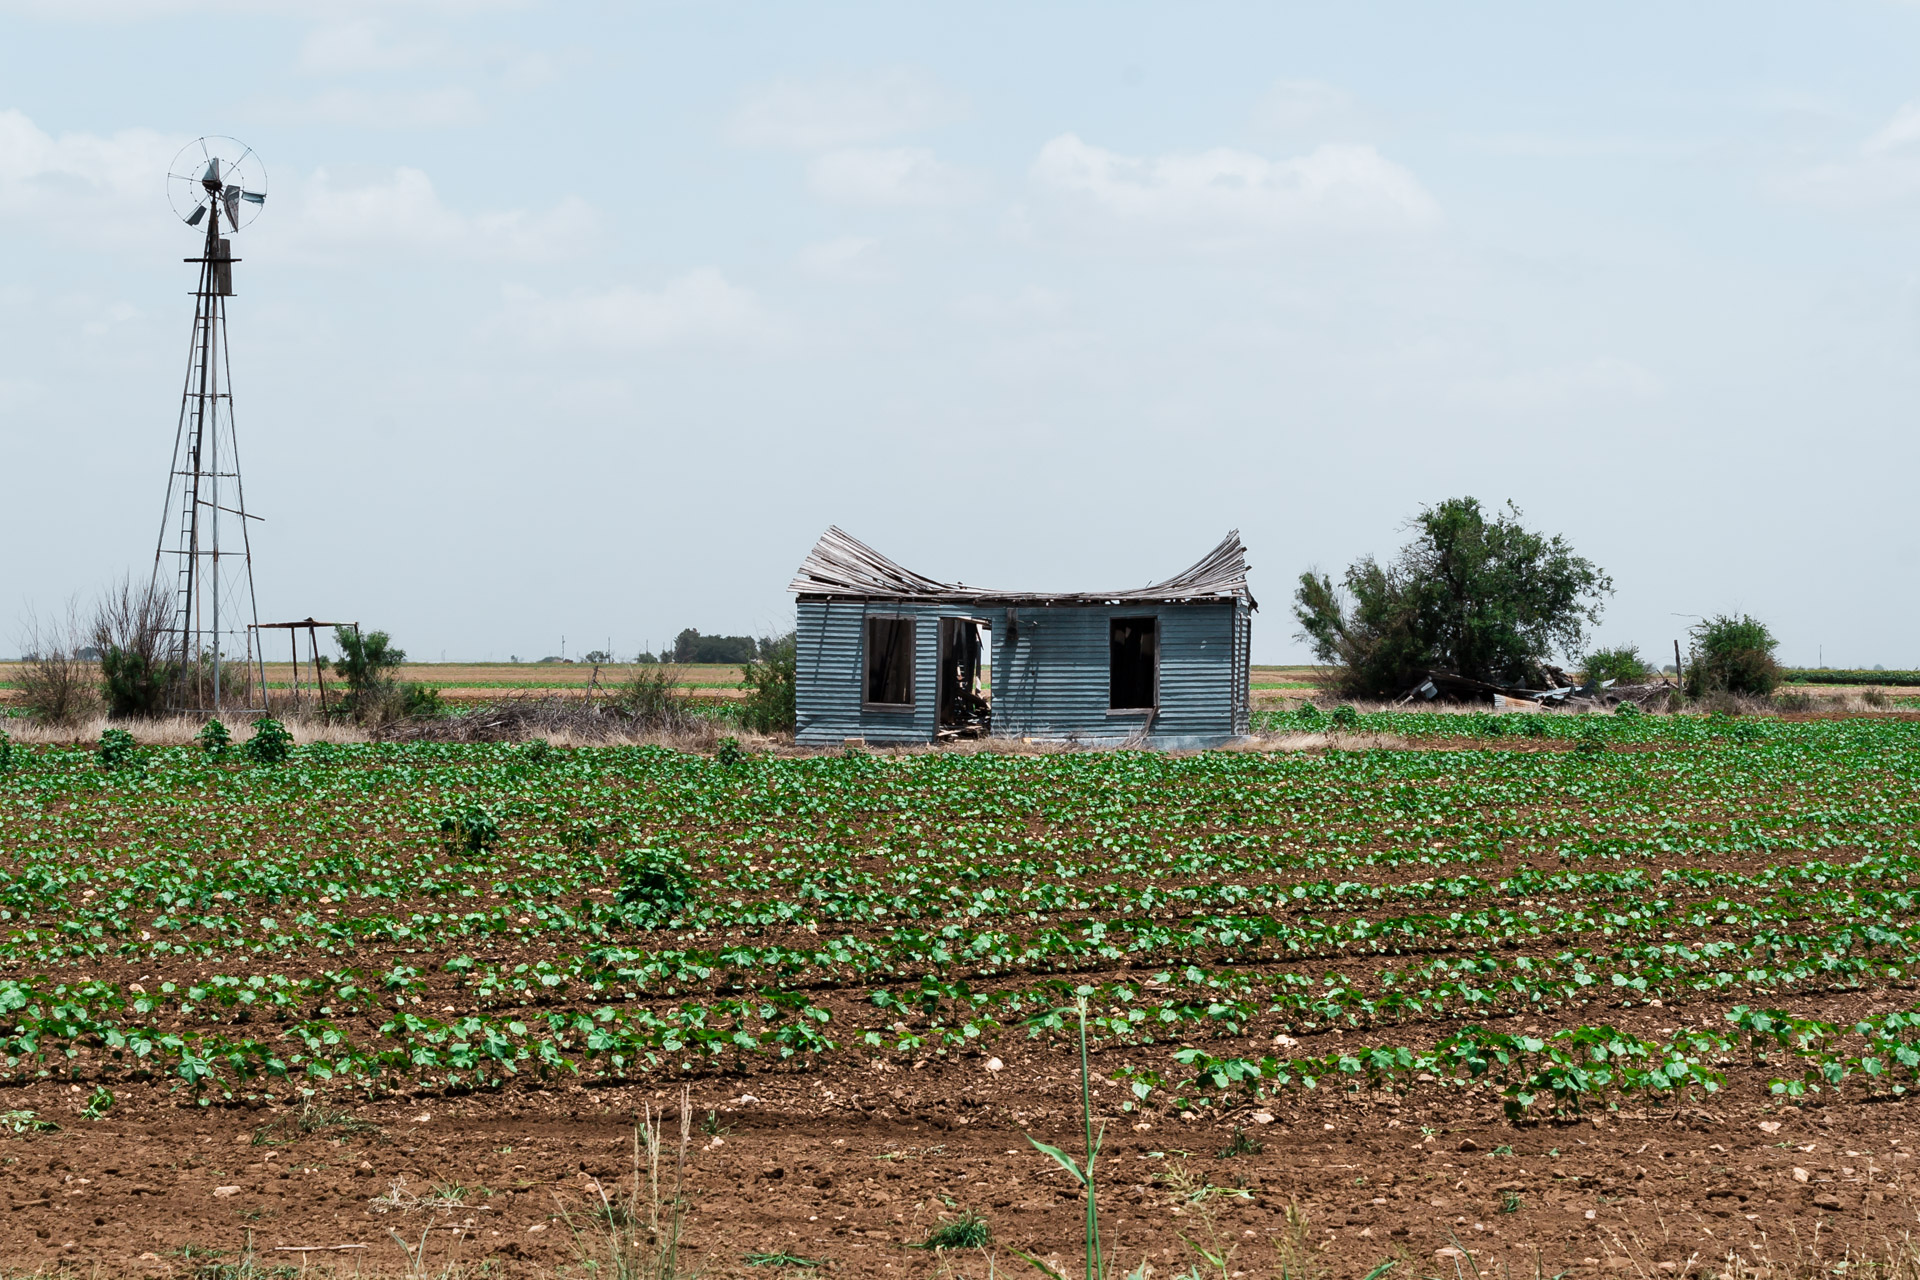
888 656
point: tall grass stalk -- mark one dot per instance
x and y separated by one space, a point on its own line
1098 1265
637 1236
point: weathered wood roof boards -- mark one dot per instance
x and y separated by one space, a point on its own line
840 565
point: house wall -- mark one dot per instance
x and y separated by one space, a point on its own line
829 672
1050 674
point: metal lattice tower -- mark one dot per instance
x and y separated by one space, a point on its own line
203 543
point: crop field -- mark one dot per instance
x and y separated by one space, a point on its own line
1468 994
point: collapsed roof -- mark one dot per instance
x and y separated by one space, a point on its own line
840 566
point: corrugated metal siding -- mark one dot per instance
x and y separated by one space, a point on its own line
829 671
1050 673
1050 679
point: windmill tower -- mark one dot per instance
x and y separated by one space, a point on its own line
203 556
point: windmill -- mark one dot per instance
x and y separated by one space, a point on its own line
216 185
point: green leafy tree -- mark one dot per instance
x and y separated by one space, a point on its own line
1622 664
1732 655
271 743
769 704
1475 594
367 663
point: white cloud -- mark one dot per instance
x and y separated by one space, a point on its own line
701 306
1561 386
403 211
101 187
1229 194
416 109
889 176
811 115
842 258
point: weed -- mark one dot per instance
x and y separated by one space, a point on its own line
25 1122
782 1259
729 754
636 1236
214 739
116 750
270 743
1242 1145
474 829
312 1117
968 1230
1510 1203
712 1127
98 1105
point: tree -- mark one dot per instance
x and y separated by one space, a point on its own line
130 634
1481 597
1732 655
691 646
367 663
1622 664
769 705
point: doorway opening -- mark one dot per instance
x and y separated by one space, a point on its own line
966 685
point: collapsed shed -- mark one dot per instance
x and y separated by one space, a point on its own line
886 655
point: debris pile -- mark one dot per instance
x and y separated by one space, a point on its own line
1562 692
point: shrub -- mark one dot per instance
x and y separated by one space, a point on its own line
655 885
422 700
1732 655
537 751
57 685
6 752
1623 664
130 633
1627 709
729 754
270 743
116 750
1533 725
769 705
366 663
1591 741
1346 716
652 700
1876 698
1793 701
473 829
214 738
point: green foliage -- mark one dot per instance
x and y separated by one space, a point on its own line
116 750
130 634
965 1230
730 754
1346 717
691 646
1732 655
1627 709
655 885
213 738
271 742
366 664
769 704
1826 675
1622 664
652 700
99 1104
537 751
1481 597
473 829
1309 716
6 752
418 699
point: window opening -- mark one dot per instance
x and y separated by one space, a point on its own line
890 661
1133 683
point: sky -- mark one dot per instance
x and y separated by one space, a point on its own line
584 320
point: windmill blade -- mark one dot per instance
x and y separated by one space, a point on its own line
254 197
231 197
213 171
198 214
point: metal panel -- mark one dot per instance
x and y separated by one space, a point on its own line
1050 674
829 672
